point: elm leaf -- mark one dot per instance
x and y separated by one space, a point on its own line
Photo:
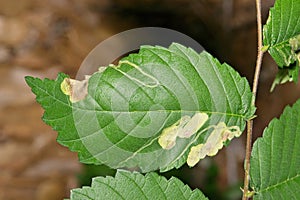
275 159
281 36
128 185
149 110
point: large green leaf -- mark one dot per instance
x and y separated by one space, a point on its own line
127 185
275 161
133 112
282 39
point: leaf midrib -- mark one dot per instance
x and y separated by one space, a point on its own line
120 111
184 111
271 187
280 43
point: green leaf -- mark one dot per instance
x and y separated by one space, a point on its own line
150 110
275 160
282 39
128 185
286 75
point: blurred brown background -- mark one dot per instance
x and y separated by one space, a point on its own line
41 38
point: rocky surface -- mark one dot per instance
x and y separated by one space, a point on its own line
38 38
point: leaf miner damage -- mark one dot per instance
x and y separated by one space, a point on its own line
183 128
213 144
76 90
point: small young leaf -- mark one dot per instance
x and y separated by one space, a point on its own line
275 159
282 39
128 185
148 111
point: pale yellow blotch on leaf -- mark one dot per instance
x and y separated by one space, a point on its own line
77 90
214 142
183 128
193 157
66 87
193 125
295 42
102 69
295 46
167 139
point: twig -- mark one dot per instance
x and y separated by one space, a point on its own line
254 91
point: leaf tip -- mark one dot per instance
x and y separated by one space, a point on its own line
29 80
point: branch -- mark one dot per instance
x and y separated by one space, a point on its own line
254 91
